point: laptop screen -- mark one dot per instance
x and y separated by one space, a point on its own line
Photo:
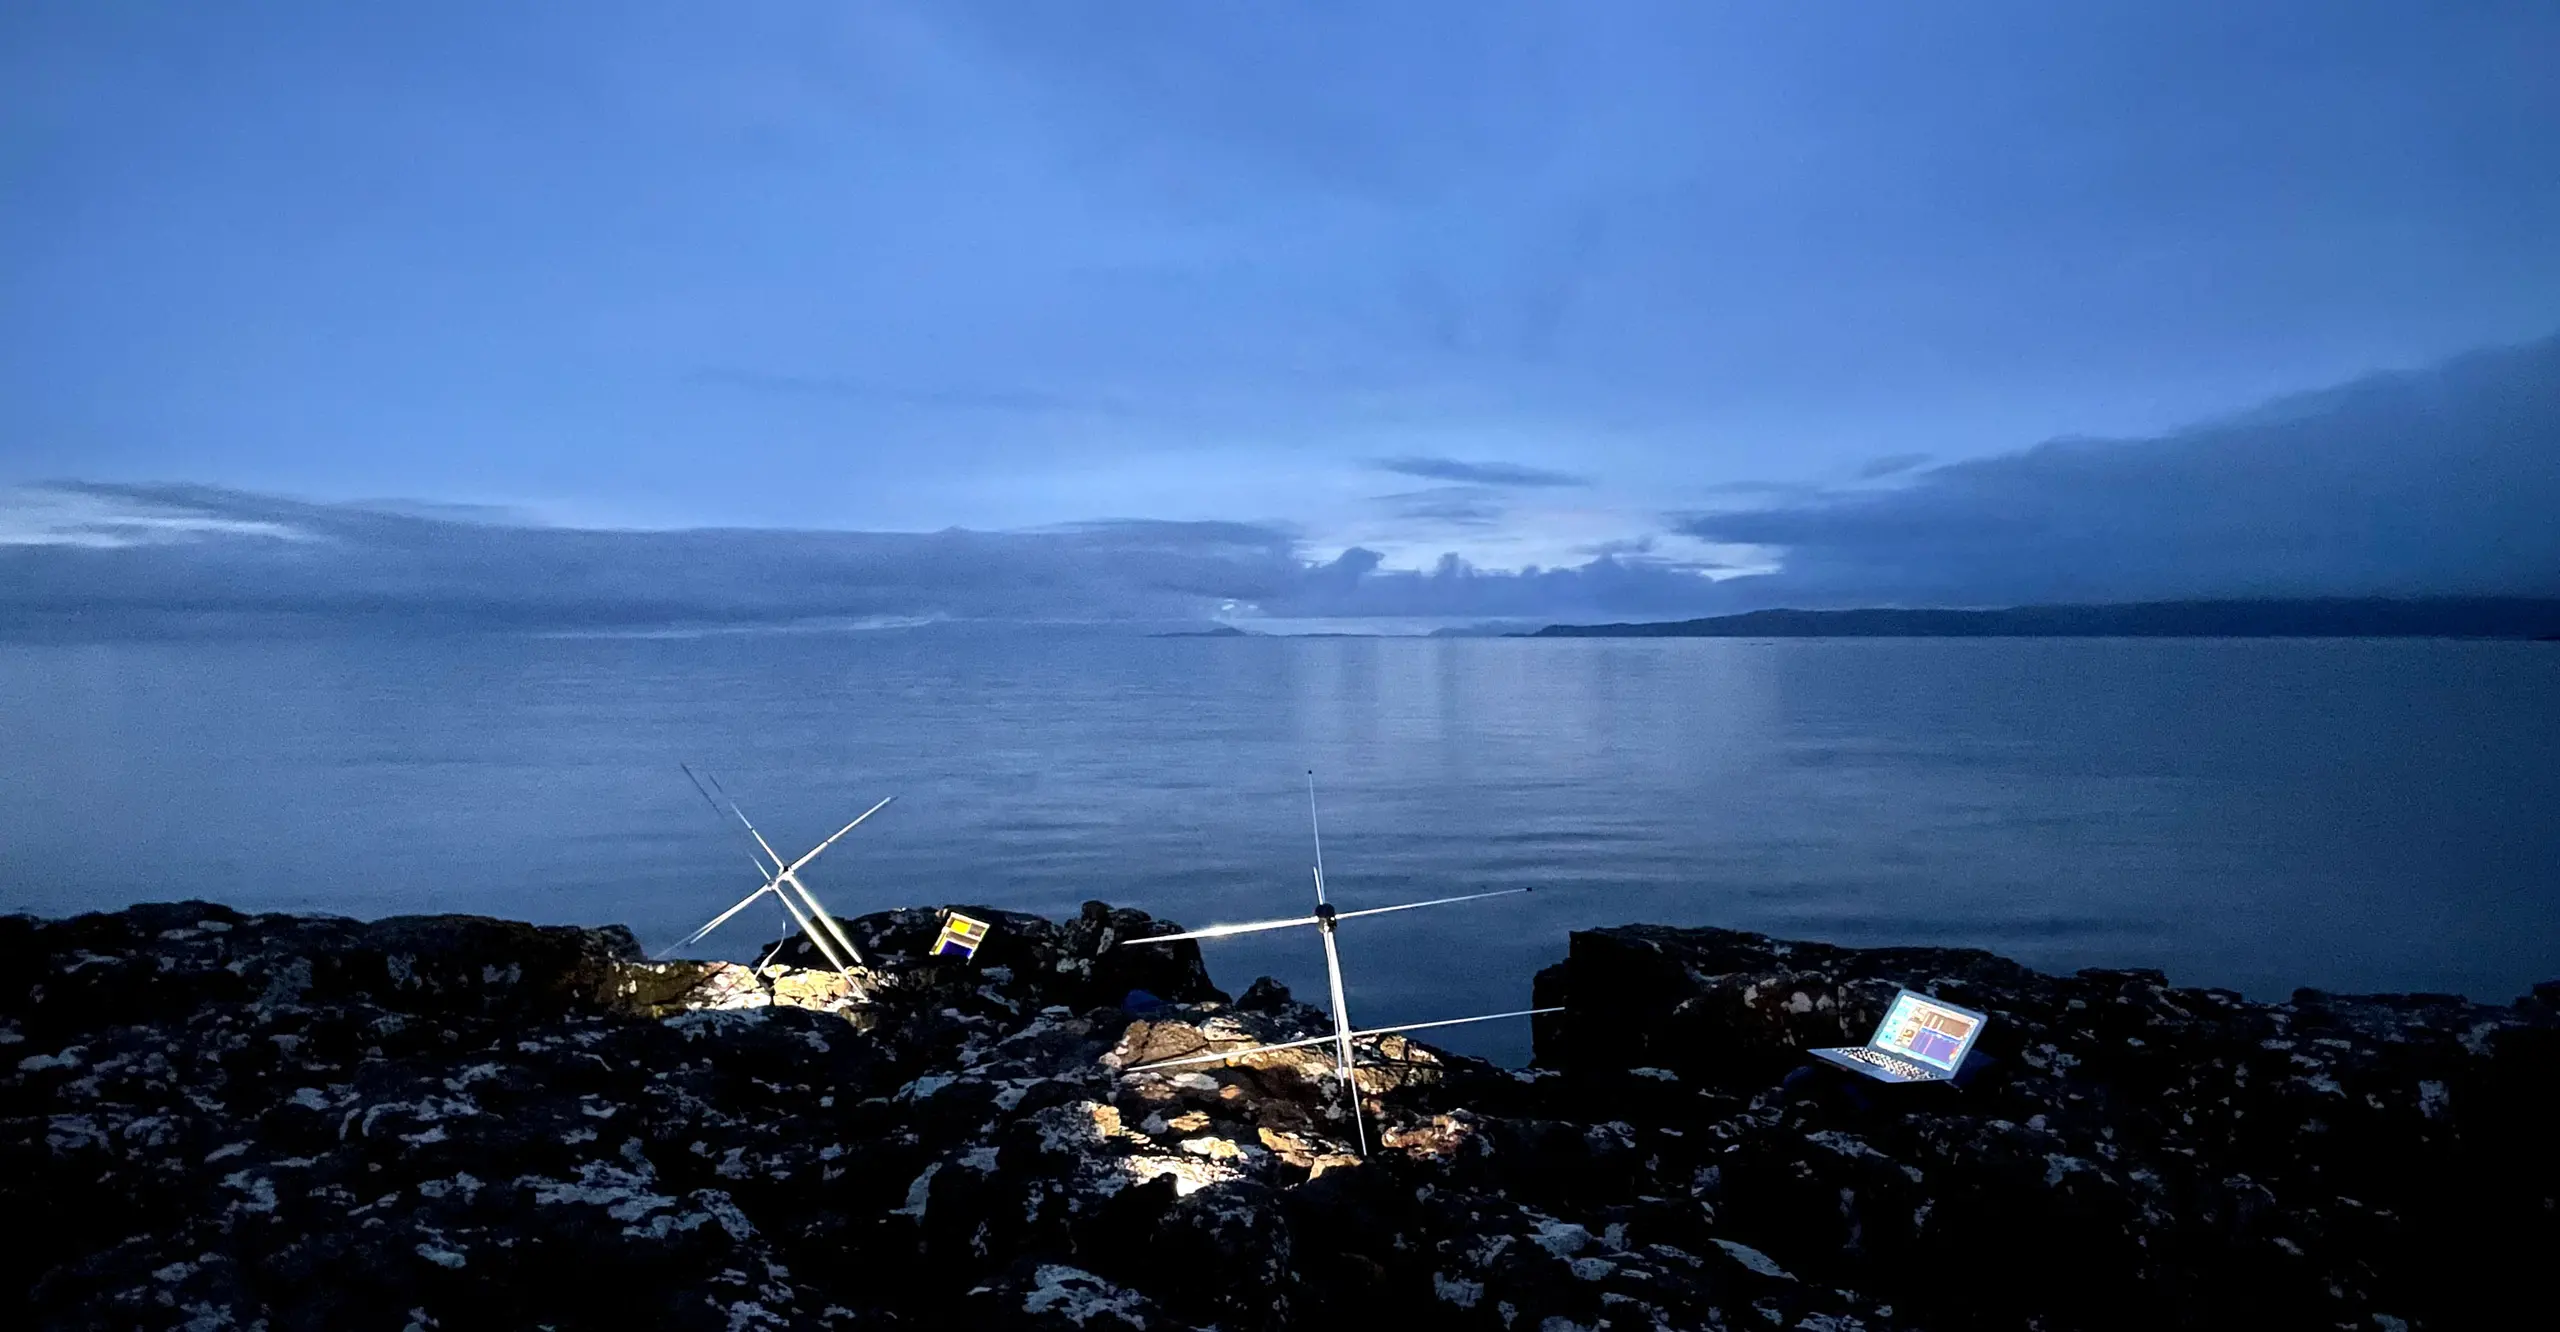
1921 1028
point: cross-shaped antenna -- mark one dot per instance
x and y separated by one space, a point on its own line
781 876
1324 919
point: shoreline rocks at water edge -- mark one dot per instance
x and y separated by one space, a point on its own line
223 1120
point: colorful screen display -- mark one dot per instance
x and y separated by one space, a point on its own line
1928 1032
960 936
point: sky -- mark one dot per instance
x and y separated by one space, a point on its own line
1755 293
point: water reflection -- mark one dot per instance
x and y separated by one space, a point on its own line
2352 815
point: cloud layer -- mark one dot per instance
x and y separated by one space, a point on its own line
2444 481
1479 473
109 555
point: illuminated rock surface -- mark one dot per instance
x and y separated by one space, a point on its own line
214 1120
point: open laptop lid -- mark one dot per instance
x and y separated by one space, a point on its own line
1927 1031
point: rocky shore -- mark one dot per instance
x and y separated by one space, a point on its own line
216 1120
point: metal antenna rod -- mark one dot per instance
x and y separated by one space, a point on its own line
742 819
1342 1031
784 873
716 921
1325 918
1251 927
825 949
752 859
790 873
761 871
793 874
1333 976
1318 830
1303 1042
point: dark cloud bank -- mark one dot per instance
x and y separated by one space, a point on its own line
2440 482
2445 482
1479 473
318 562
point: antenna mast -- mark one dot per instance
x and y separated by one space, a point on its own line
1325 919
1318 830
1333 977
832 943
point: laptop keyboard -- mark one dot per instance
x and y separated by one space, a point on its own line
1904 1067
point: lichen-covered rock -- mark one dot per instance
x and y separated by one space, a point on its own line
1054 1297
1032 962
225 1120
2136 1154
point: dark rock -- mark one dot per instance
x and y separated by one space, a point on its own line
217 1119
1040 962
2139 1155
1224 1254
1054 1297
1265 995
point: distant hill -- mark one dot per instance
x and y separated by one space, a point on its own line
2434 617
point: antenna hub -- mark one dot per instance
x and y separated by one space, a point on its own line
1324 915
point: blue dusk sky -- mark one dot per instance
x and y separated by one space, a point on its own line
1782 295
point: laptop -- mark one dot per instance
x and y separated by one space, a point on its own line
1920 1040
960 937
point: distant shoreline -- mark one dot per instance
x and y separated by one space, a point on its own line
2507 619
2504 618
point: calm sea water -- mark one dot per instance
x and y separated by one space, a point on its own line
2352 815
